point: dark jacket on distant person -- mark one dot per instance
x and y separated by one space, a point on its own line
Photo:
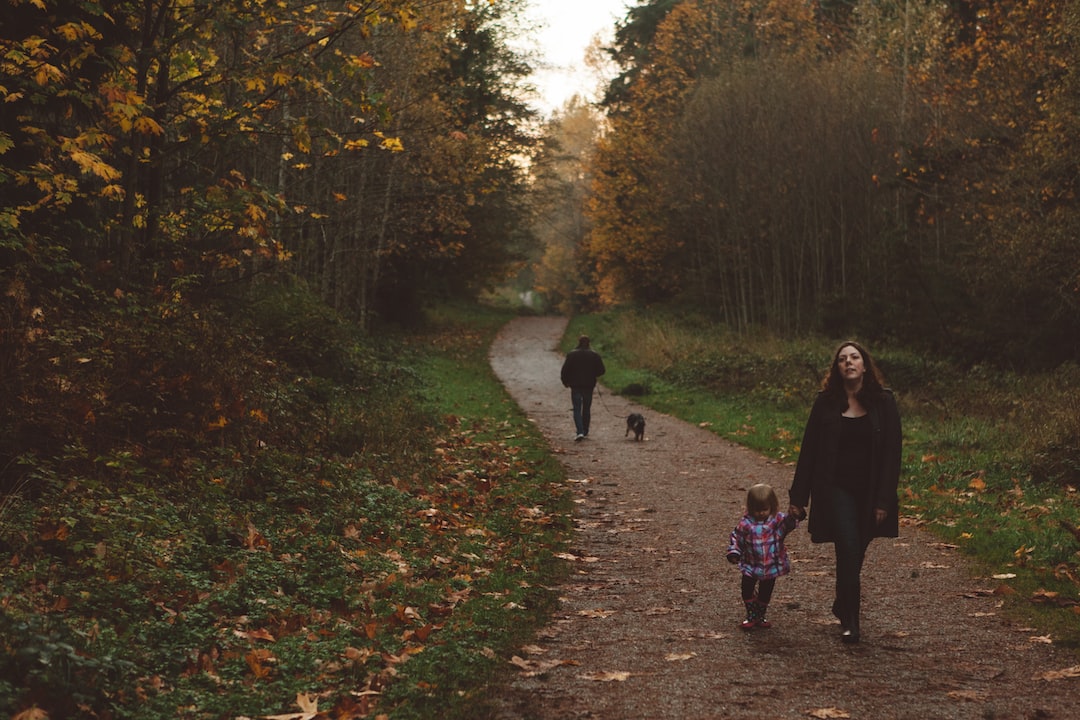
814 471
581 368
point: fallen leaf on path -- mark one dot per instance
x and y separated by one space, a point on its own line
1070 672
1004 576
978 593
1045 639
828 713
676 657
972 695
532 668
606 676
596 613
661 611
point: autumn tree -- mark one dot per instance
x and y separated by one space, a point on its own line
846 166
558 193
156 157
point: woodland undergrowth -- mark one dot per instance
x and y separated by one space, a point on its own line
991 458
252 510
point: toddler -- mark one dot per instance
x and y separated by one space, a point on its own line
757 546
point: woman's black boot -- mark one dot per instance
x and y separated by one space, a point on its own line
850 621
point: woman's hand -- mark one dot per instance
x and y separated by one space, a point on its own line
796 511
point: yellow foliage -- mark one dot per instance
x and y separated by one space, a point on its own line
91 164
392 144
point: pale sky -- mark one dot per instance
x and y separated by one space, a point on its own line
567 28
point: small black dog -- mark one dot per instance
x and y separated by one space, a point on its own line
635 422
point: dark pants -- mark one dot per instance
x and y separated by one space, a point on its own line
850 553
581 397
764 589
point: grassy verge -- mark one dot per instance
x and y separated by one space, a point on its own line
367 534
990 458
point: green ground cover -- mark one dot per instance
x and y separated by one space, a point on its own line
373 539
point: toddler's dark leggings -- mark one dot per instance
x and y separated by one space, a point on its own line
764 589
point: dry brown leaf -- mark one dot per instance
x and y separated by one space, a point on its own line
532 668
1070 672
606 676
309 709
661 611
972 695
596 613
828 713
34 713
676 657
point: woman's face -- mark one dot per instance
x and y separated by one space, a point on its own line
849 361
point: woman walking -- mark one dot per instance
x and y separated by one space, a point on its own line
848 472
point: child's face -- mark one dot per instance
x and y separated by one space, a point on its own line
761 515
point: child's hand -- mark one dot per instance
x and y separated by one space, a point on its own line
733 558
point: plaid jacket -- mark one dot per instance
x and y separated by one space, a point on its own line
760 545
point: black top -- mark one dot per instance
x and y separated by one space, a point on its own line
853 454
820 456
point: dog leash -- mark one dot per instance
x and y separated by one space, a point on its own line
604 403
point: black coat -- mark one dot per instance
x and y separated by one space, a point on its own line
814 471
581 368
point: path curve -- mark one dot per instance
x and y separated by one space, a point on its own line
647 623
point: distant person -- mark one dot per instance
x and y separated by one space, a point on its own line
579 372
757 547
848 472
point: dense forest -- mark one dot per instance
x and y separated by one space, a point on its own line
899 168
165 165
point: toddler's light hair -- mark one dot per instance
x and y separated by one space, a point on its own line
762 497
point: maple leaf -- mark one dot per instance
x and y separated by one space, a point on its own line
309 709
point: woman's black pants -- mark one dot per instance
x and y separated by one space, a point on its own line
850 553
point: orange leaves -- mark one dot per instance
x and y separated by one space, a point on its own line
34 713
828 713
259 661
254 540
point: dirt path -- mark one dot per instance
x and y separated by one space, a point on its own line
647 625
